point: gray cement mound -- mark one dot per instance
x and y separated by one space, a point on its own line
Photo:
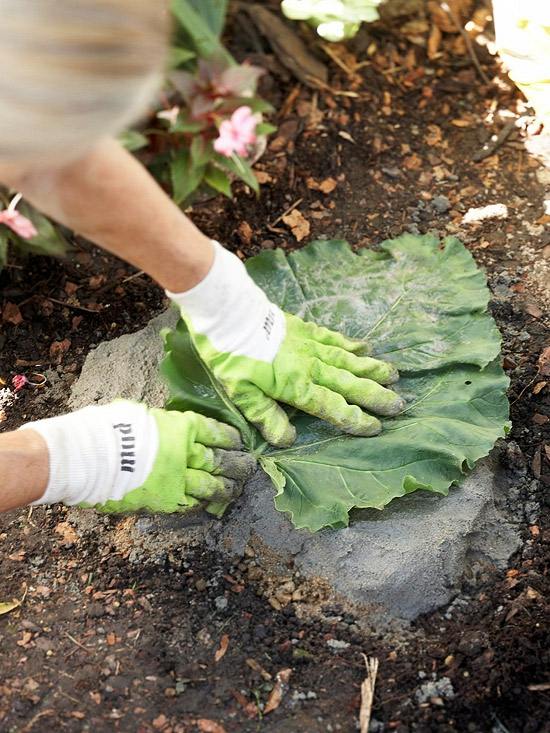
406 560
402 562
125 367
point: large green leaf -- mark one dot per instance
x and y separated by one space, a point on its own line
195 27
239 167
218 180
193 387
212 12
422 305
186 177
48 241
132 140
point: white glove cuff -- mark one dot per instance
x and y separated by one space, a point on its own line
98 453
232 311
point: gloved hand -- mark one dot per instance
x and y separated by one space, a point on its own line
124 457
262 355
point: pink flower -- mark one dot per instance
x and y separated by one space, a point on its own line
18 223
19 381
237 133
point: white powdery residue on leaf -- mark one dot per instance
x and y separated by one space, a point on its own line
493 211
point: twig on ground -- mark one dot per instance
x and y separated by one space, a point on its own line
29 515
337 60
42 714
288 104
287 211
75 641
493 145
336 92
367 693
524 390
71 306
467 40
132 277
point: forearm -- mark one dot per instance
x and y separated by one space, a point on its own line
24 467
110 198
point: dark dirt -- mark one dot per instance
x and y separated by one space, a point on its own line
100 643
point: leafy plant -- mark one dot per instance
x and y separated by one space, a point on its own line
334 20
422 305
27 230
216 127
215 118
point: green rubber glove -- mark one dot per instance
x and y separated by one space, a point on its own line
197 464
124 457
261 356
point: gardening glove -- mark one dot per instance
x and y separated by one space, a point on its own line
262 355
124 457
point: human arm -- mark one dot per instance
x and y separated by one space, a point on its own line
23 468
124 457
259 354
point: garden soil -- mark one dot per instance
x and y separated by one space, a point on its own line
194 642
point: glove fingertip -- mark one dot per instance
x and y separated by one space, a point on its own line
281 438
360 348
372 430
367 427
233 436
396 407
217 508
392 377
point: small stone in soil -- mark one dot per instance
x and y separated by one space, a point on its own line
221 603
337 644
493 211
441 204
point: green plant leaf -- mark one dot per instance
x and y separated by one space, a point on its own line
451 422
256 104
201 151
4 242
48 241
240 168
185 176
423 306
194 26
179 56
133 140
184 124
212 12
218 180
193 387
265 128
